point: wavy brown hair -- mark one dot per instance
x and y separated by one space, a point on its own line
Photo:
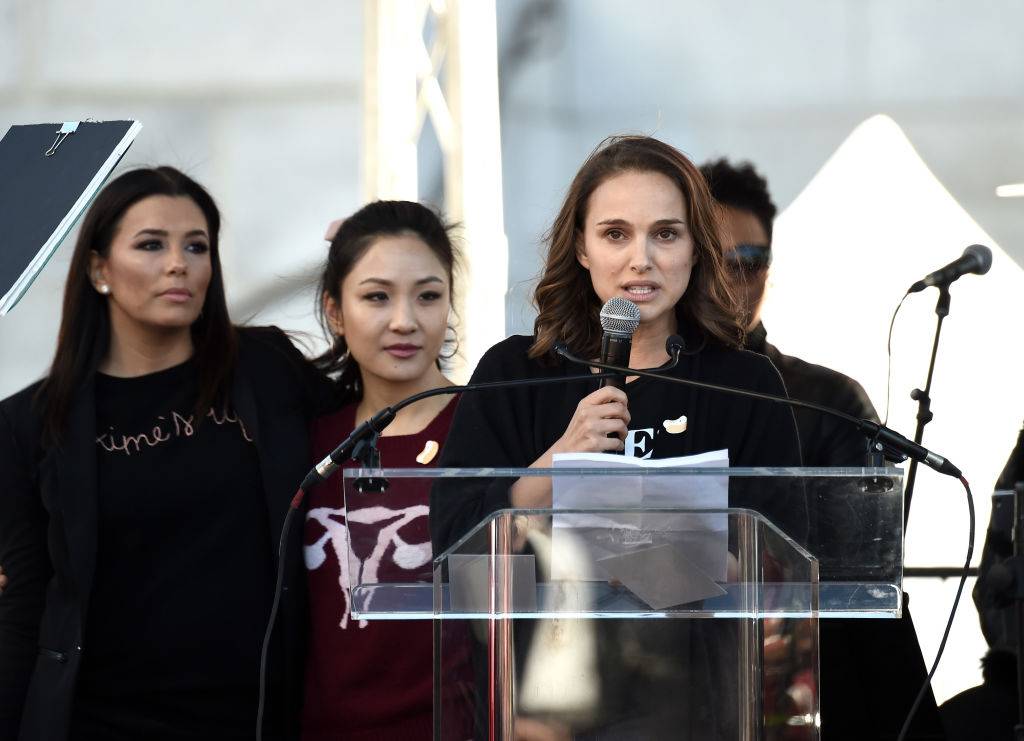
568 307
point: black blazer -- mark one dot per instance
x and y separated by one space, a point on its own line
48 530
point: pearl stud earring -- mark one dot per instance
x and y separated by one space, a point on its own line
104 289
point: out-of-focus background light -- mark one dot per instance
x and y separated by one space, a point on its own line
1012 190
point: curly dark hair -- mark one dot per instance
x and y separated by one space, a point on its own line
741 186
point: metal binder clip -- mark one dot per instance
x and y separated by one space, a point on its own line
66 129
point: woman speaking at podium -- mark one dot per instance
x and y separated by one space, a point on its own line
143 485
638 223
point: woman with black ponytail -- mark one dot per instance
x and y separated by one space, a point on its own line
386 300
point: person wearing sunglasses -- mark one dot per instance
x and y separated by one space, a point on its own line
859 699
747 212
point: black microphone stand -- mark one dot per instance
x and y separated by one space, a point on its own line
361 445
924 400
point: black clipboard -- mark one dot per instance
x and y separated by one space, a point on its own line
49 174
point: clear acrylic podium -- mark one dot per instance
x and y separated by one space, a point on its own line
640 622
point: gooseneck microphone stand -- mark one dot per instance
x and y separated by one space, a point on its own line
361 445
882 440
924 399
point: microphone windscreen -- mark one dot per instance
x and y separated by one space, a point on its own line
674 344
620 316
983 255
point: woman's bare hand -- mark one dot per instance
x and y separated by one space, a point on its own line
597 415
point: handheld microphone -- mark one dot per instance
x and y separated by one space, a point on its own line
619 319
976 259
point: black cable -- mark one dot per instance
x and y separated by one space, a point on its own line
888 353
879 435
379 421
657 373
952 614
275 605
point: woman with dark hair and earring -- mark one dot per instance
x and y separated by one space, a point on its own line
638 223
386 294
143 486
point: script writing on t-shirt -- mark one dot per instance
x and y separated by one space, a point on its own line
167 427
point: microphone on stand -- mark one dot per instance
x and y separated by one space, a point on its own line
976 259
619 319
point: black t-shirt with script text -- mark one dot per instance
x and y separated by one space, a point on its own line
183 573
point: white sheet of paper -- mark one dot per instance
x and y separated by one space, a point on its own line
703 536
646 492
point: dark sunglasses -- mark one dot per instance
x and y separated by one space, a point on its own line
749 257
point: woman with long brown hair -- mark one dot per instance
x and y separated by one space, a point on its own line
638 223
143 486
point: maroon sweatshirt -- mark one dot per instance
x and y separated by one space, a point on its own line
369 679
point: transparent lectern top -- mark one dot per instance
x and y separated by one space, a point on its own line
625 564
792 541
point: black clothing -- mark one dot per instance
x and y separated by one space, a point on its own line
167 512
824 440
996 610
513 427
996 699
1013 471
871 670
989 711
56 504
642 695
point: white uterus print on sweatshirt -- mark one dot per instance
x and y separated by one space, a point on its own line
352 569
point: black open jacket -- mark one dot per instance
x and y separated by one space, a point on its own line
48 530
871 670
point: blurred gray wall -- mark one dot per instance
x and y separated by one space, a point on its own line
781 83
258 101
262 105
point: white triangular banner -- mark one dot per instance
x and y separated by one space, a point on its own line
871 222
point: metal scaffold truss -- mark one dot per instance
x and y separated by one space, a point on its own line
453 80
